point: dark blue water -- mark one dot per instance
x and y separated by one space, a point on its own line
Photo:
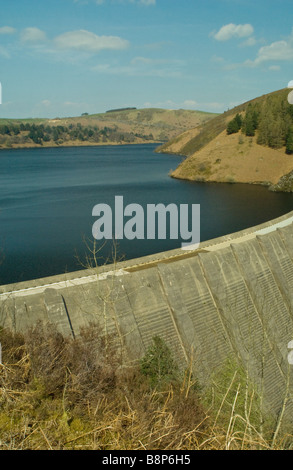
47 197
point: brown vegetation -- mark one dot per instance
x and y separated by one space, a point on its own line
60 393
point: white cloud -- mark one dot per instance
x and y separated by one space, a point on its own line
83 40
144 67
46 103
232 30
33 35
189 104
70 47
7 30
147 61
213 106
274 68
275 52
135 70
280 50
55 108
249 42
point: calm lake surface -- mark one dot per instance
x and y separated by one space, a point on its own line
47 197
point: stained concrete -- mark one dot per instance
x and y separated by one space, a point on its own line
230 298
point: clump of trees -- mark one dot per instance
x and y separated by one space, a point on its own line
270 120
235 125
120 109
28 133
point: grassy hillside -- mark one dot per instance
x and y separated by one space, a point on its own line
252 143
195 139
115 127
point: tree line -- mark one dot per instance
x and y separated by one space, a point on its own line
27 133
270 120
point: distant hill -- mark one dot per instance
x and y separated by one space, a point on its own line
252 143
121 126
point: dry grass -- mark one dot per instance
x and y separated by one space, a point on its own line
230 161
59 393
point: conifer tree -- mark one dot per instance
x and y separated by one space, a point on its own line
289 142
234 126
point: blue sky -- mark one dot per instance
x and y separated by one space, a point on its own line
65 57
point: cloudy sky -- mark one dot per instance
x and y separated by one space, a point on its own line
65 57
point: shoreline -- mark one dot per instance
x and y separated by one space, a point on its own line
87 144
284 185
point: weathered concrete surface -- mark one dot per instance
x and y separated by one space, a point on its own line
231 298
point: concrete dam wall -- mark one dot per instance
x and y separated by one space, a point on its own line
230 298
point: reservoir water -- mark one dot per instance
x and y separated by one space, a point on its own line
47 197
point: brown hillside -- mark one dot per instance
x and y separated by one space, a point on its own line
189 142
235 158
215 156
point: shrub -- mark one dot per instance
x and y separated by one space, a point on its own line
158 364
85 365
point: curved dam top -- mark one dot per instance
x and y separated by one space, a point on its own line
232 297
